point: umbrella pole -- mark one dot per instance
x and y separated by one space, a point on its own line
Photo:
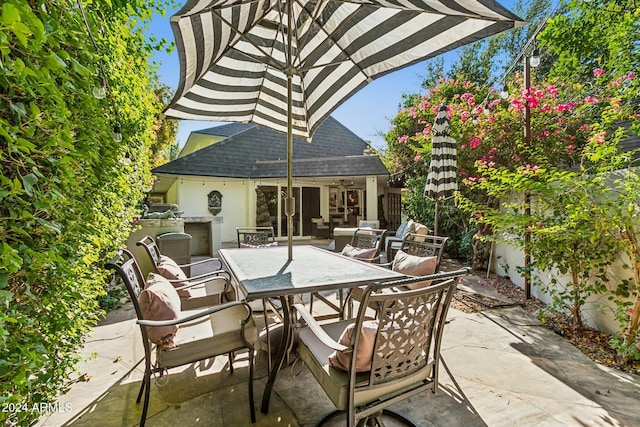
435 221
290 201
289 72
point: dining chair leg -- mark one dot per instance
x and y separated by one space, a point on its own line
251 402
231 356
147 388
142 386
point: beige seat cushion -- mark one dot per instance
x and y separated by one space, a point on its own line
170 269
206 294
160 301
335 381
340 360
219 331
360 253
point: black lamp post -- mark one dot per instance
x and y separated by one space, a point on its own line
532 60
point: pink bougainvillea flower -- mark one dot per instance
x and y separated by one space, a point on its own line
418 157
475 142
402 139
598 72
598 138
462 147
591 100
631 76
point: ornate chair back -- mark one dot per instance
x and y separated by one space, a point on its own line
424 246
405 337
255 236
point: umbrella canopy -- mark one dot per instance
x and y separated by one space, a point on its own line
442 181
287 64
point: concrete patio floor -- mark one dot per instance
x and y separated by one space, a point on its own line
501 367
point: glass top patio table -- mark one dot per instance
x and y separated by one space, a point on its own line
267 273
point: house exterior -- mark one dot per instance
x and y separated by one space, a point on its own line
336 176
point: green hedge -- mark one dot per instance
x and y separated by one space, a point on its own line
68 191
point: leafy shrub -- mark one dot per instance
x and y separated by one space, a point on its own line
67 195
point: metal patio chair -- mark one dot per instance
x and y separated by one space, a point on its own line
204 334
256 237
397 355
417 249
366 245
203 290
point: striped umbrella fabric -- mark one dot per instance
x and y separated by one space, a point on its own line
235 56
442 181
287 64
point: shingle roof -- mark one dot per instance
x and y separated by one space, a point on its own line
326 166
257 152
225 130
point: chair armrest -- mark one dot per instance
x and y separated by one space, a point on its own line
193 283
386 265
216 273
197 315
375 260
317 330
191 264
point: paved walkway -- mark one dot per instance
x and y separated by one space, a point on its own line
501 368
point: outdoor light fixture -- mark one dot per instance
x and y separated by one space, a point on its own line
99 91
534 61
504 93
117 134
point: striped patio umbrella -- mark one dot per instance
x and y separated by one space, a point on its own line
442 181
240 62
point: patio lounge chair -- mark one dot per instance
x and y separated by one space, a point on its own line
203 290
394 241
397 355
182 337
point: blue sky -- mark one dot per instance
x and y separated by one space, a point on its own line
366 113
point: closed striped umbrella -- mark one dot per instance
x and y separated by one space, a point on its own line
239 62
442 181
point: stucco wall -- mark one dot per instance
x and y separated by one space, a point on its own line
191 195
238 202
598 311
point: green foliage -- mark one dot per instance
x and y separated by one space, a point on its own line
593 34
575 222
164 148
263 219
581 216
452 222
67 195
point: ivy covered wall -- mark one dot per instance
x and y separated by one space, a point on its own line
68 188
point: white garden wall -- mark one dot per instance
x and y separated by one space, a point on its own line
598 312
